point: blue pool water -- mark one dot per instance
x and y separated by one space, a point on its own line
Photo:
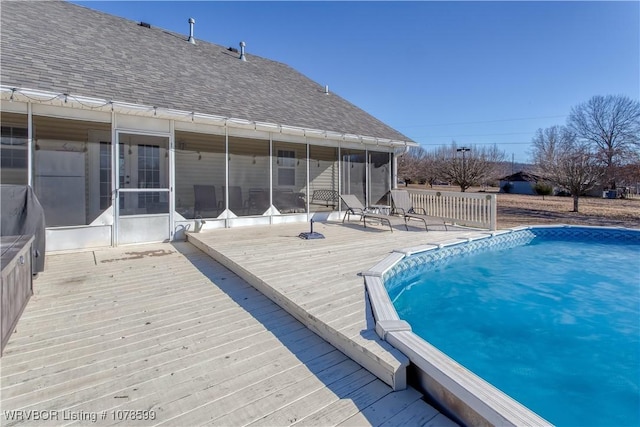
553 322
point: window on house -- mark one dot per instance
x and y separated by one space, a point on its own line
14 147
286 168
13 155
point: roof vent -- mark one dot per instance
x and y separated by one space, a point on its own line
191 39
144 24
326 89
232 49
242 57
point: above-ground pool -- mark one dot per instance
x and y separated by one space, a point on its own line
548 315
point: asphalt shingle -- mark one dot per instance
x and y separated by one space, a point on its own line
94 54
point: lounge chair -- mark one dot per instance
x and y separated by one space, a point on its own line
288 201
402 205
236 203
355 207
205 200
258 201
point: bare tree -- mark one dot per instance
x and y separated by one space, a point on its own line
430 169
419 165
612 125
629 174
468 166
547 143
565 161
409 165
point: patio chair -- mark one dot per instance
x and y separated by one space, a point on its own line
355 207
402 204
288 201
258 201
236 203
205 199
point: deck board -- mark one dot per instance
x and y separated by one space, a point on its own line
164 327
345 408
316 400
319 281
385 408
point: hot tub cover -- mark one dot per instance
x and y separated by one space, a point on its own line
22 214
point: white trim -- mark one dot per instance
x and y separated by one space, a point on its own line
144 190
172 178
249 133
14 107
199 128
95 137
70 113
340 183
140 125
280 137
307 183
30 145
227 171
272 209
367 178
97 105
115 168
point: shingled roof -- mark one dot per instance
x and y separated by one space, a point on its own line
65 48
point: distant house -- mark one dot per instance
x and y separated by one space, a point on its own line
128 132
519 183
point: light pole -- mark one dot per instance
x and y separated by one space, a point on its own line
464 166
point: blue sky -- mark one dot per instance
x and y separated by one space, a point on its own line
474 72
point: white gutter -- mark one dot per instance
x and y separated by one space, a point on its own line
83 102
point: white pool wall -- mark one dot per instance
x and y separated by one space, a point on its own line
464 395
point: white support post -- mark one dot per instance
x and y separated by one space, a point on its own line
172 179
271 207
115 171
30 145
494 212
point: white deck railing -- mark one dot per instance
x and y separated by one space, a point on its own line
468 209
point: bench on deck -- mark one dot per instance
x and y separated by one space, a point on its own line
325 197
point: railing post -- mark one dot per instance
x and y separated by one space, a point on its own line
494 211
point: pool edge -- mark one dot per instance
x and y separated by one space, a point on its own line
467 397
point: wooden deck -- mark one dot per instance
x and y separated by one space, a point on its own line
165 332
319 282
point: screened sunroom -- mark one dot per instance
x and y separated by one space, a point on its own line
133 133
110 178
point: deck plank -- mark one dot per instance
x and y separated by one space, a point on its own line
385 408
418 414
316 400
164 327
325 290
345 408
280 398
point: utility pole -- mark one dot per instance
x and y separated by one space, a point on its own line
464 165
